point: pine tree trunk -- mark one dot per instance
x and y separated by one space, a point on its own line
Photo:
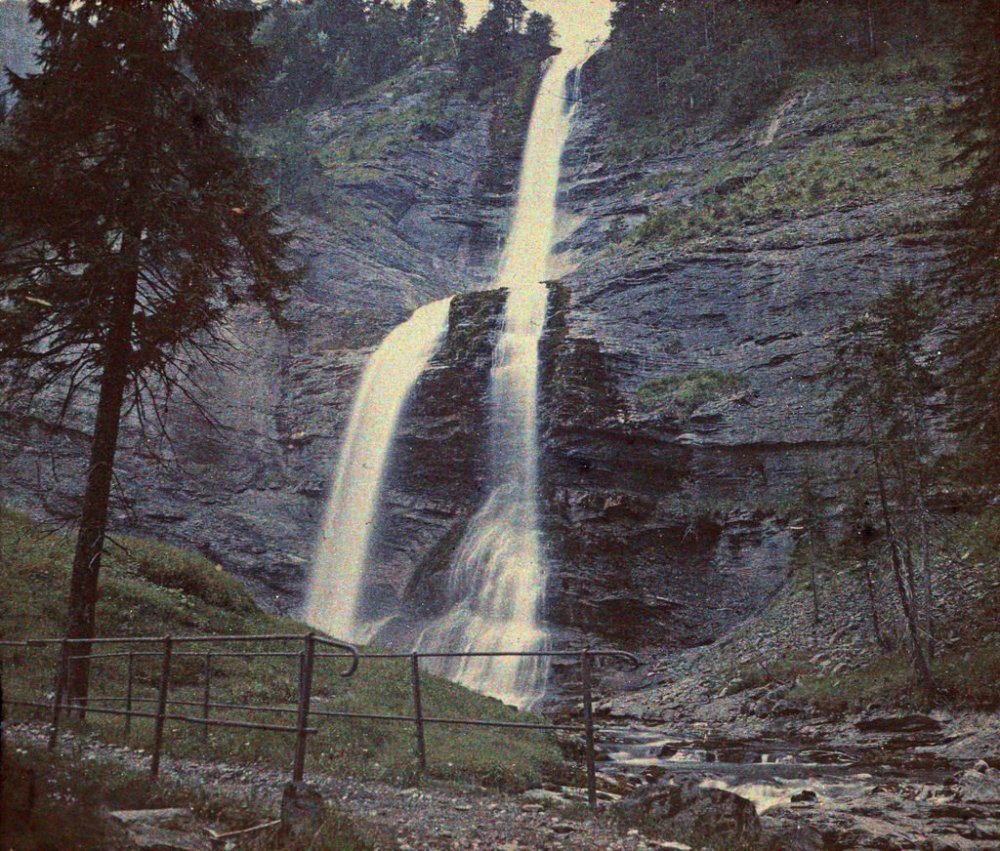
815 588
94 517
873 605
920 665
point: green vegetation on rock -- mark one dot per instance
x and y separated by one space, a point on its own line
690 390
878 154
150 588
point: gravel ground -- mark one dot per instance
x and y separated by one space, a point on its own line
432 816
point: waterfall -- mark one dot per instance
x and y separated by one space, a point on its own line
496 583
339 563
498 573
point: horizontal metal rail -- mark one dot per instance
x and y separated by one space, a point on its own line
472 722
163 648
218 654
153 639
191 719
250 654
336 713
176 702
620 654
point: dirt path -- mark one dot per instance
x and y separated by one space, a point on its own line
432 816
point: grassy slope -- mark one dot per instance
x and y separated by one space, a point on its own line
153 589
887 138
966 666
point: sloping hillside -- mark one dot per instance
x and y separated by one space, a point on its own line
149 588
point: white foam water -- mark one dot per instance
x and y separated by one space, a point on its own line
497 580
339 563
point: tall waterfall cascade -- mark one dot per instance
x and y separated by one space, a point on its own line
497 576
336 587
496 584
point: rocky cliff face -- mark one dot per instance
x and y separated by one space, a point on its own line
682 395
403 222
684 400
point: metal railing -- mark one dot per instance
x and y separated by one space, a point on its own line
164 649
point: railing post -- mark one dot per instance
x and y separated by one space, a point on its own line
305 692
586 664
57 698
161 706
129 681
418 712
207 696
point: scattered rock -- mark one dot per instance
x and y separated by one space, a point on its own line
688 810
654 773
543 796
806 796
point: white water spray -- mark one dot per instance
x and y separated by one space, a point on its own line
497 580
339 564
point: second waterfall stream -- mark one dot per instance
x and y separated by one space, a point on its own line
497 577
498 573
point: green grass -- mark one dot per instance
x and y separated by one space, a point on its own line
878 153
966 672
152 589
964 677
56 801
688 391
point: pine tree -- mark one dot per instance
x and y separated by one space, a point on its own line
883 386
973 269
417 19
130 221
538 34
448 22
635 57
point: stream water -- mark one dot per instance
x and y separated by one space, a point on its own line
768 772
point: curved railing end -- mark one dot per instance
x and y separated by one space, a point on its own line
343 645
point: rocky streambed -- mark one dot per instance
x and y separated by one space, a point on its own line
886 781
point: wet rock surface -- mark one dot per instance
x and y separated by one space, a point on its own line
834 790
691 812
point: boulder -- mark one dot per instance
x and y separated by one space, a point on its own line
691 813
172 829
806 796
980 785
795 837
